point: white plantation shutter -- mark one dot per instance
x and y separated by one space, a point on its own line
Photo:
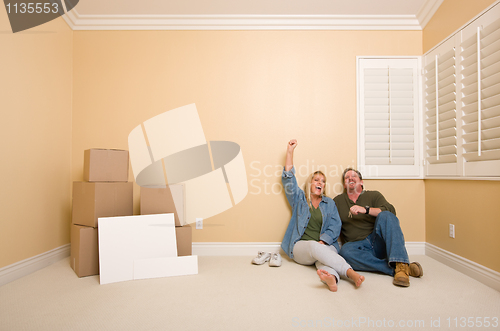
440 113
388 134
481 100
462 101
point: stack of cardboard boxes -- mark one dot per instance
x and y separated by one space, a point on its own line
170 200
105 192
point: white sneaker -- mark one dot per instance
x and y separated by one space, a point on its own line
261 258
275 260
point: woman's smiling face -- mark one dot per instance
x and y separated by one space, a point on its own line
318 184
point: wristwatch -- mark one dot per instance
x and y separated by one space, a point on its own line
367 209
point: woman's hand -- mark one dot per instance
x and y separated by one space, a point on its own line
289 154
291 145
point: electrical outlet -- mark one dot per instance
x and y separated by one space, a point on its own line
452 231
199 223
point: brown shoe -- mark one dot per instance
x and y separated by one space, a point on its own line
416 269
401 275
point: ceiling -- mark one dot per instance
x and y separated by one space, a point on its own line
255 14
254 7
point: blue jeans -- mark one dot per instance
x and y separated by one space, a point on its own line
385 245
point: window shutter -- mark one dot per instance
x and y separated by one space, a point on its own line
462 101
441 112
481 101
388 135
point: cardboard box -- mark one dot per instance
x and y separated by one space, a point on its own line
164 200
184 237
94 200
84 250
105 165
140 247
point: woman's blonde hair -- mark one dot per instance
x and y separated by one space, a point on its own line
307 187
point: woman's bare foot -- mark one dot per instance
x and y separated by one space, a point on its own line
357 278
328 279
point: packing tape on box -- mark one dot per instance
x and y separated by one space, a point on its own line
173 145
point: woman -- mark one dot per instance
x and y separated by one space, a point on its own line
311 236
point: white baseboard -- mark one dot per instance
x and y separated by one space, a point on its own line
415 247
32 264
251 249
233 248
470 268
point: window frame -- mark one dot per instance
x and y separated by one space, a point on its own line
396 171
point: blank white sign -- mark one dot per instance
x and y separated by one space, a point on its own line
124 240
165 267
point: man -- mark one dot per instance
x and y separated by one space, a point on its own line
372 236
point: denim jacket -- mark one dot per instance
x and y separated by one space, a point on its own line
330 230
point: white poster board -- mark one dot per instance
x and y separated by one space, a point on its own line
139 247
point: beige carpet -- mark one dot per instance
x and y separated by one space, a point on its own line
230 293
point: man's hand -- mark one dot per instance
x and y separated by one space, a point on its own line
355 210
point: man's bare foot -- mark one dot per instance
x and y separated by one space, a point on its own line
357 278
329 279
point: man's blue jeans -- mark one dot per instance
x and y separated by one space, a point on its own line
385 245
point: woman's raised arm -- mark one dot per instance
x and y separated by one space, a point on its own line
289 154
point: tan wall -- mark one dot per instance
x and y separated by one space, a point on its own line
471 207
451 16
467 204
256 88
408 197
35 139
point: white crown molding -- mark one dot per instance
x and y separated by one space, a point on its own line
80 22
428 10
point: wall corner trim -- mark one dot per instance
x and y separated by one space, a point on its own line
428 10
